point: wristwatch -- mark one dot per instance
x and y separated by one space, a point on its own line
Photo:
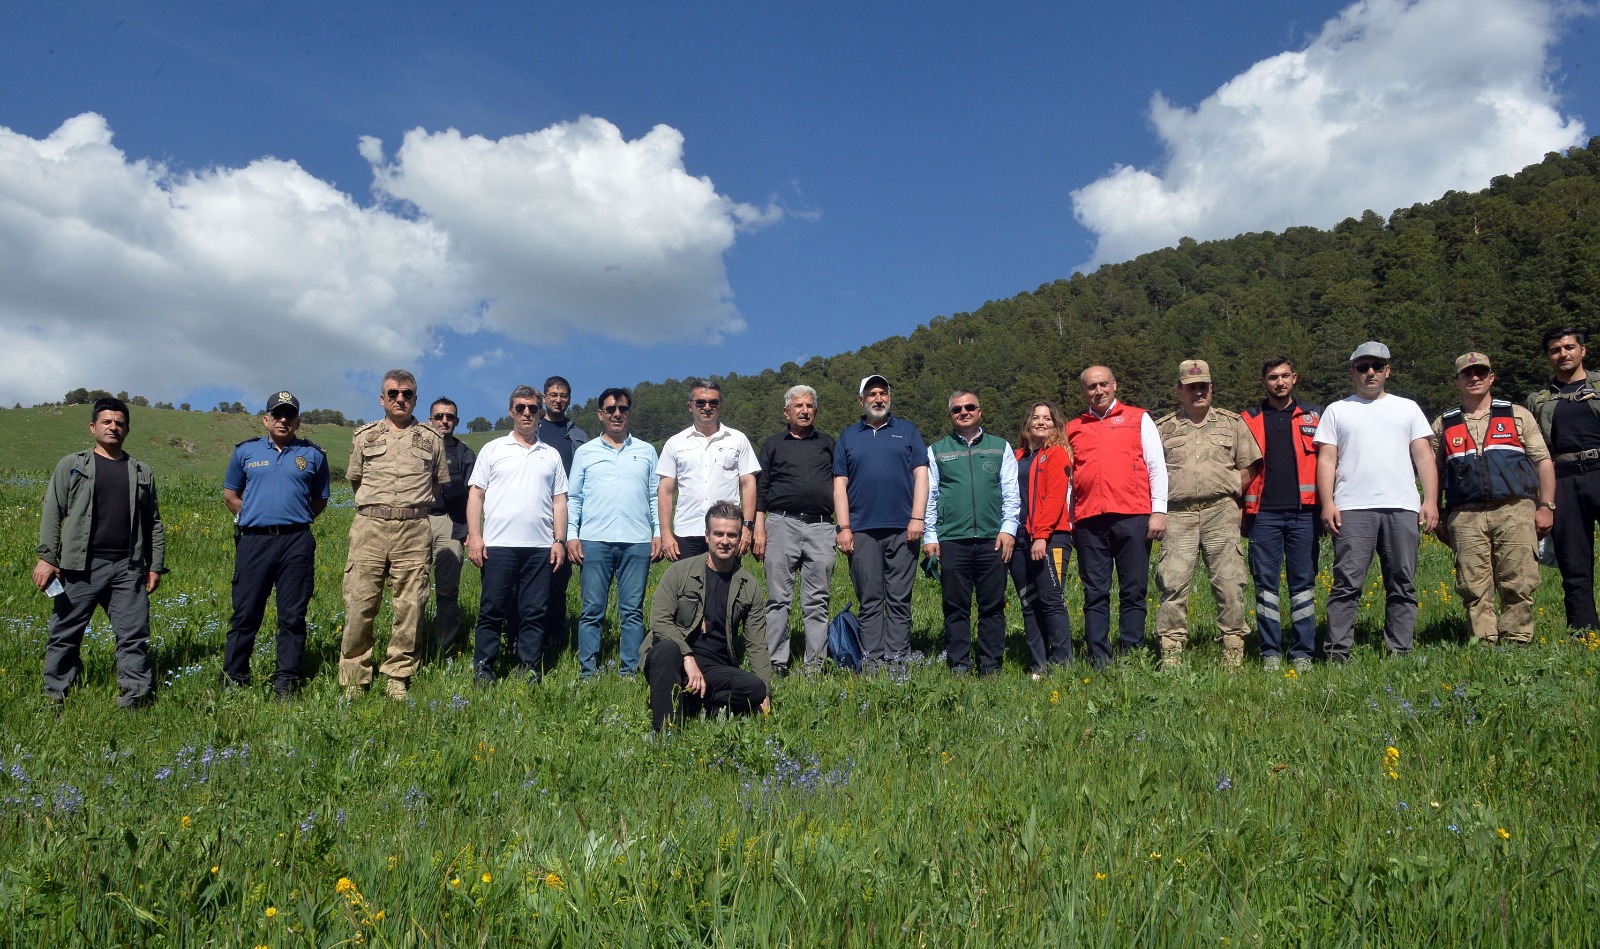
750 525
1548 505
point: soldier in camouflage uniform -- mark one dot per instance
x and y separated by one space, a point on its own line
397 467
1211 457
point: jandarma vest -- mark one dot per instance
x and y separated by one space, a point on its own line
969 486
1303 430
1496 470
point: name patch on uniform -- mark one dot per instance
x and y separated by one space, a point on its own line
260 463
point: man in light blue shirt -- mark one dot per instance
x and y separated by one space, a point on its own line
613 529
972 515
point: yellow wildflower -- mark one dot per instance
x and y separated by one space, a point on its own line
1098 876
1391 762
1154 855
487 878
1502 833
1055 697
456 881
345 885
214 870
272 911
184 822
1291 675
553 880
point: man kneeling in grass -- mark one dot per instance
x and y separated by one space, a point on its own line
691 655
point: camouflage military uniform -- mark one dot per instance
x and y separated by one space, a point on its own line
396 472
1203 465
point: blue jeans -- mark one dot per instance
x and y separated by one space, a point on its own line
516 581
1286 539
629 565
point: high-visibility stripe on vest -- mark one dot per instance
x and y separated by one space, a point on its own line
1109 474
1303 429
1496 470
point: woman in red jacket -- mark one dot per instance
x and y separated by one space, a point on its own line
1044 541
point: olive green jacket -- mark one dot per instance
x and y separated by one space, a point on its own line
69 512
677 612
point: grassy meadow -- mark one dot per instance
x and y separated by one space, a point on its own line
1125 807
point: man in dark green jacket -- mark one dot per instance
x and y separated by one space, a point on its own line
101 543
973 511
691 652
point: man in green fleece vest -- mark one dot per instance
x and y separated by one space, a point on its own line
972 516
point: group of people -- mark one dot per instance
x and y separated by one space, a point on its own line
1490 477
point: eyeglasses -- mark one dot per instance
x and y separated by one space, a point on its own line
401 395
958 409
444 417
1362 368
525 408
285 416
616 409
707 403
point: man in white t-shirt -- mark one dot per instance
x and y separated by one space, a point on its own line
1372 449
705 463
516 535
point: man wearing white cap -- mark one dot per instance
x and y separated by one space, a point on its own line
1372 449
880 491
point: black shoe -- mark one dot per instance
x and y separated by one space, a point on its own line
780 671
484 677
129 702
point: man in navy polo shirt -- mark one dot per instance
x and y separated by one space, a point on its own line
880 489
275 486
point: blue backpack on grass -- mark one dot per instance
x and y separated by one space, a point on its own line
844 640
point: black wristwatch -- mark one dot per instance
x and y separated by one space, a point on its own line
750 525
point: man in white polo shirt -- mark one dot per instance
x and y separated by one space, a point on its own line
1372 450
516 535
705 463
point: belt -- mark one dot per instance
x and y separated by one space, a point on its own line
385 512
1590 454
276 529
1197 505
804 518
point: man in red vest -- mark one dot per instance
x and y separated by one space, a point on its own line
1493 465
1120 506
1280 506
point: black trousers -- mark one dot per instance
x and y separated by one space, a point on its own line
691 546
1045 622
1577 511
515 580
727 687
1104 542
263 563
967 567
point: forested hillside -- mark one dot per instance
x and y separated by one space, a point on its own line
1487 271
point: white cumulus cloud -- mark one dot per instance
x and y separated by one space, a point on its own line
575 227
120 273
1393 102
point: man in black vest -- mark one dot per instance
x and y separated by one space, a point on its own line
1493 465
1568 410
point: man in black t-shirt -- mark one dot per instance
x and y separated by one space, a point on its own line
101 544
691 653
1568 410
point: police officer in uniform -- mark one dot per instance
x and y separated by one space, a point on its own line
1492 466
1211 458
397 467
1568 410
276 486
448 524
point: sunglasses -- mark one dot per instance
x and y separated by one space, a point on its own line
444 417
1475 372
1363 368
707 403
958 409
401 395
285 415
616 410
525 408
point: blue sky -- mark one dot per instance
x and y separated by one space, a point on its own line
210 201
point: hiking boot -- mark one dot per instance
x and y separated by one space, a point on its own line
1232 651
1272 663
1301 665
396 689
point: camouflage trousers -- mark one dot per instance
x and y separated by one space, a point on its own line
393 552
1209 532
1494 544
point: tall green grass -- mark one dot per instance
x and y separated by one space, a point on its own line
1102 808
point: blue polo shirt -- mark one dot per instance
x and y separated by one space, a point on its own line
880 464
278 487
